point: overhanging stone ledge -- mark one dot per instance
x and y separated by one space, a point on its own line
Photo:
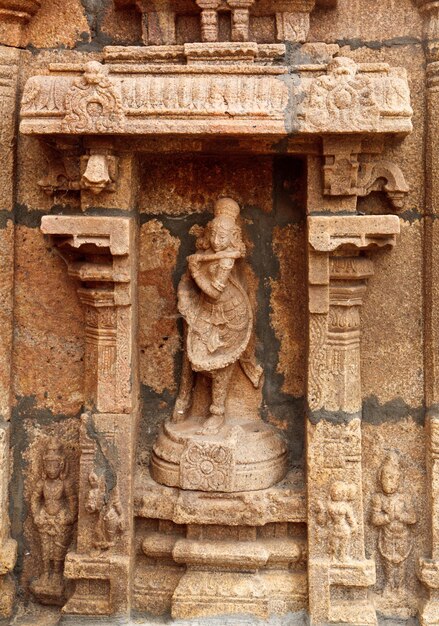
252 97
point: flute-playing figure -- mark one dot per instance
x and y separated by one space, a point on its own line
218 315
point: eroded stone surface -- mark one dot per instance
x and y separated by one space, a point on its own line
218 302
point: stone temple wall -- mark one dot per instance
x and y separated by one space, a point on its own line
219 312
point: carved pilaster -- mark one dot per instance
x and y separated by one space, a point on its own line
292 20
209 20
9 65
429 567
240 19
158 21
100 254
338 276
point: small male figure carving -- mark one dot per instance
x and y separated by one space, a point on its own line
338 516
110 518
218 315
393 512
54 511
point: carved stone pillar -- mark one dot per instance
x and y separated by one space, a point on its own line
429 567
292 20
9 64
14 15
240 19
209 19
339 573
100 254
158 21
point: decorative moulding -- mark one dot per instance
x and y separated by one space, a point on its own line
217 98
159 18
330 233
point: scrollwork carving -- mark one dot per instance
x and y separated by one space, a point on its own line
343 99
93 104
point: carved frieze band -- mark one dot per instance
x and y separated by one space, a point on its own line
341 97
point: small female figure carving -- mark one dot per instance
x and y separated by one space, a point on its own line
339 518
54 511
393 512
218 315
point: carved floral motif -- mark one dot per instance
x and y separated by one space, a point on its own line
342 99
92 105
207 466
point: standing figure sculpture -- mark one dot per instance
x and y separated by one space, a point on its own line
339 518
393 512
217 445
218 315
54 511
109 526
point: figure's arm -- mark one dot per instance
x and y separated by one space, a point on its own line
350 518
213 288
409 514
321 514
35 501
378 516
72 504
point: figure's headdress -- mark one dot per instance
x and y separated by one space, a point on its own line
53 450
226 207
391 461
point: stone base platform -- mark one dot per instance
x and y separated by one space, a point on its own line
246 454
204 554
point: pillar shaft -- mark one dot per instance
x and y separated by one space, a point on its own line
337 272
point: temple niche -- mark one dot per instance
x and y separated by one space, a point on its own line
218 391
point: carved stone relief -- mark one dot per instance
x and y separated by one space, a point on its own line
185 501
54 510
393 513
337 516
108 508
214 452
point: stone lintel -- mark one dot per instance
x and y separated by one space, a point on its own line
221 97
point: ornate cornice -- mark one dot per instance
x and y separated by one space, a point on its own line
204 92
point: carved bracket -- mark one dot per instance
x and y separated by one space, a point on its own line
383 176
68 170
96 250
330 233
344 175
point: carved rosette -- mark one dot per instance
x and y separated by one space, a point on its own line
207 467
